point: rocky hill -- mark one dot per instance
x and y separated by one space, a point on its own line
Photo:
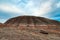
33 22
30 28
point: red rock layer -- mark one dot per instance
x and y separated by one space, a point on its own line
32 22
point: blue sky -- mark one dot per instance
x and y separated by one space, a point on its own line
44 8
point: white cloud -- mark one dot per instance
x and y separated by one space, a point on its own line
58 5
10 8
30 8
44 8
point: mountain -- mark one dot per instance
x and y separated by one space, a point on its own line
30 28
33 22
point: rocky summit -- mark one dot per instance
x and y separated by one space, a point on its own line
30 28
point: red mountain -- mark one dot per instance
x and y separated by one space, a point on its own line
30 28
33 22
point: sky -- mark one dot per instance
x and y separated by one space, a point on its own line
42 8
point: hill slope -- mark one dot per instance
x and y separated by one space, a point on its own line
30 28
32 22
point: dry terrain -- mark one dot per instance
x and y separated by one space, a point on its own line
30 28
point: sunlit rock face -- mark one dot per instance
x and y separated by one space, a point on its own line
30 28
